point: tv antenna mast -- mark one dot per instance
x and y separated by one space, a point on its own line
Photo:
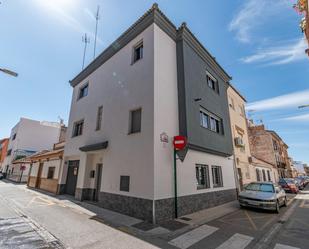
86 40
97 17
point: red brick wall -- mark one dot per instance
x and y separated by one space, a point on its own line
4 148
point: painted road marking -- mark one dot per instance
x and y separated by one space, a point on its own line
251 221
39 201
281 246
237 241
304 204
188 239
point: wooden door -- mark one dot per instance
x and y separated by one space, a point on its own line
39 175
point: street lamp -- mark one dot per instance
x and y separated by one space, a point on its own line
8 72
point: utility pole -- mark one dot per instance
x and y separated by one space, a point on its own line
9 72
97 17
86 40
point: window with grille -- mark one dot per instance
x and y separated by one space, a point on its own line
217 176
202 176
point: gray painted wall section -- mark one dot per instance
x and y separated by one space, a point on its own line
192 85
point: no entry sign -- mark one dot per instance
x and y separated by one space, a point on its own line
180 142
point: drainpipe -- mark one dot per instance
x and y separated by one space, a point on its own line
175 185
60 168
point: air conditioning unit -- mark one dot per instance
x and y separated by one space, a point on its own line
239 142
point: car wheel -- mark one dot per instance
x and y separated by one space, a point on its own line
285 203
277 210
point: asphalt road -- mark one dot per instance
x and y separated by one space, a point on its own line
54 222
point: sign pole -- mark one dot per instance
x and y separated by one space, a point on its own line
175 185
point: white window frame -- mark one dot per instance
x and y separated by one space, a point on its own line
220 176
198 168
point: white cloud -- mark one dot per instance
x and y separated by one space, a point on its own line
303 117
280 102
252 14
277 55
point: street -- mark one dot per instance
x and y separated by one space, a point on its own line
31 219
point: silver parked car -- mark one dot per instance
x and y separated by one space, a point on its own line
265 195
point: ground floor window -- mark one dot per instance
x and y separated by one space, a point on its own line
217 176
258 178
268 175
51 172
264 175
202 176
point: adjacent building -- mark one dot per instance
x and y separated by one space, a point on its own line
28 137
45 169
268 146
154 82
3 151
242 154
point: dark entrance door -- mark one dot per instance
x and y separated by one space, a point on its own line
240 178
98 181
72 177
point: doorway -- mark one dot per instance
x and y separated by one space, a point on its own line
98 181
38 179
72 177
241 185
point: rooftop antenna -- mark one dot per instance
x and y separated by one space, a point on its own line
97 17
61 120
86 40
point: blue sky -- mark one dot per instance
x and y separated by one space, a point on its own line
258 42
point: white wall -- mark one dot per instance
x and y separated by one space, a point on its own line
165 110
119 87
32 135
51 163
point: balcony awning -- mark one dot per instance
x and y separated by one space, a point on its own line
93 147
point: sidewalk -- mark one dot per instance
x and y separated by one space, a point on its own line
138 227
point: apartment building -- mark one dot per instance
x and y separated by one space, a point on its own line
154 82
3 150
242 154
27 137
268 146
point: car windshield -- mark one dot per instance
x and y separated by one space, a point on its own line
260 187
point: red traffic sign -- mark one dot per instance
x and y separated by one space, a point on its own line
180 142
22 167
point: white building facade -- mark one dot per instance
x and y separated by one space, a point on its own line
27 137
127 106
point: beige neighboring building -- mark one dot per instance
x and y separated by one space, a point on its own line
268 146
245 171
